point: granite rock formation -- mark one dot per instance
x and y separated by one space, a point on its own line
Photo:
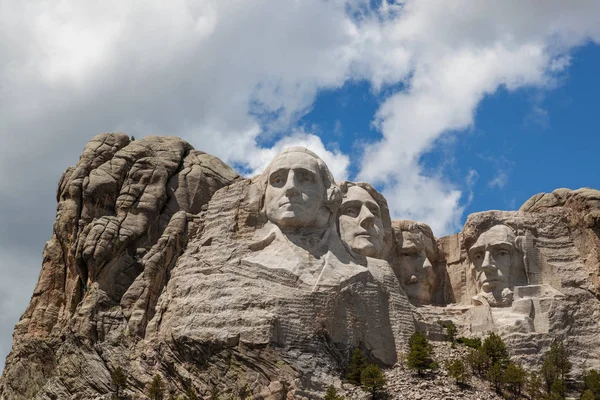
165 261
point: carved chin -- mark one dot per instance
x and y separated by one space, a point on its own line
364 246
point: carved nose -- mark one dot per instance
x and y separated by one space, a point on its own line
488 262
427 263
367 219
290 187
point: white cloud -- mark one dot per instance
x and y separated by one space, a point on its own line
499 181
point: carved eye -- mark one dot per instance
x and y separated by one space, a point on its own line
277 180
350 211
502 253
306 177
478 256
375 211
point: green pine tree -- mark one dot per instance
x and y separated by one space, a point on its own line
420 353
479 361
533 386
514 378
451 331
119 380
494 347
331 394
372 379
356 367
458 370
555 368
591 382
495 375
157 388
588 395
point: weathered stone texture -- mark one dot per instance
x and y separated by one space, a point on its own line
164 261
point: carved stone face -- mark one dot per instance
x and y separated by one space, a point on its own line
492 256
361 226
295 192
416 260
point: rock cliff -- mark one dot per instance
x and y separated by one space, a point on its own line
164 261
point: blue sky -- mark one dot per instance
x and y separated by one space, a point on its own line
522 142
448 107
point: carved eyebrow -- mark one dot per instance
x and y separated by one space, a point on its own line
474 250
278 172
304 171
351 203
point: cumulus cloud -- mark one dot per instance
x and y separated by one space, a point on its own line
230 76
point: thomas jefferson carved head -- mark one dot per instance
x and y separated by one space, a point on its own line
364 219
416 252
300 190
496 258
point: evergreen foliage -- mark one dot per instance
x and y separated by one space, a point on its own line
372 379
331 394
474 343
514 378
588 395
479 361
534 386
555 368
420 353
450 330
157 388
494 347
356 367
591 383
458 370
495 375
119 380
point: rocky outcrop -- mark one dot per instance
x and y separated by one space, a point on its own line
122 220
164 261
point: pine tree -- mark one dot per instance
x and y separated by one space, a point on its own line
119 380
479 361
591 383
451 331
157 388
495 375
372 379
331 394
494 347
458 371
534 386
514 378
588 395
356 367
420 352
555 368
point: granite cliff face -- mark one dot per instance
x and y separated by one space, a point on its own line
165 261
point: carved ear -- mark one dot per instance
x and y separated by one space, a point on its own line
520 243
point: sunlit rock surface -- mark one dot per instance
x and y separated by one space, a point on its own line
165 261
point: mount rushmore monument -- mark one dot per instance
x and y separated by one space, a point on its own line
163 260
